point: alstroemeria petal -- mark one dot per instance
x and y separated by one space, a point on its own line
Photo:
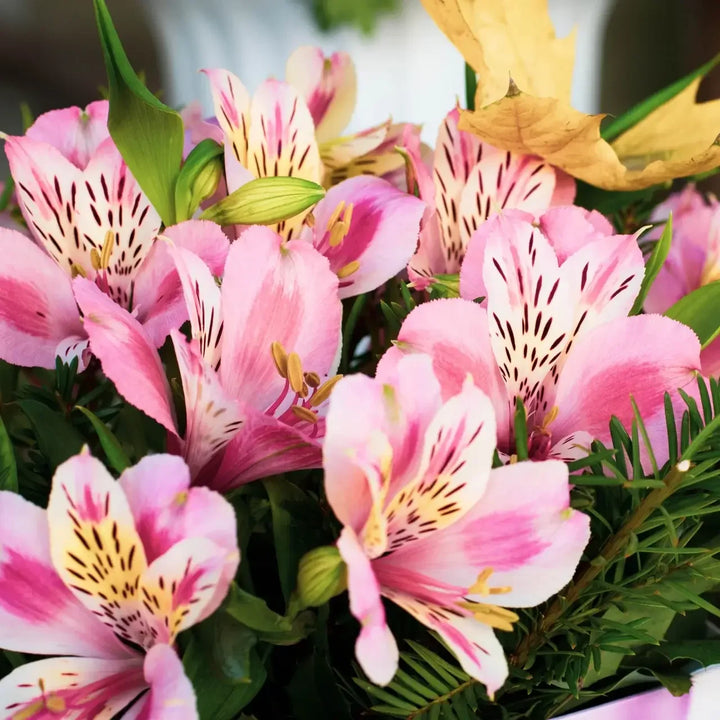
204 304
213 418
47 187
95 547
391 410
232 109
530 308
380 238
178 589
642 356
167 510
128 356
455 333
171 695
456 457
37 308
76 133
71 687
375 649
329 86
112 209
282 293
471 641
38 614
158 296
570 228
456 153
282 141
503 180
264 446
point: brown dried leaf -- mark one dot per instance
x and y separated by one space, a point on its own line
676 140
508 38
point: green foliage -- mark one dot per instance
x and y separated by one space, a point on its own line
8 466
653 265
116 456
199 177
698 310
148 134
332 14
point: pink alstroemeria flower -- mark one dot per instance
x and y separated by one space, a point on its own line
469 181
107 577
88 217
554 332
367 228
428 524
256 371
329 87
693 259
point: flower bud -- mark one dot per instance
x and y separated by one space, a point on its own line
322 574
265 201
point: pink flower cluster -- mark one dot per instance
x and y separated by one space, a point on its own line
254 317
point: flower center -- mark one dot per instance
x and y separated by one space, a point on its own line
302 392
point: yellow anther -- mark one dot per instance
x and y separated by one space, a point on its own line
76 270
337 233
181 497
55 704
95 259
480 586
336 214
323 392
349 269
312 379
280 358
295 372
107 248
303 413
310 220
493 615
548 419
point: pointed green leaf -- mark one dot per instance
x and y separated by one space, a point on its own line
116 456
148 133
265 201
654 265
698 310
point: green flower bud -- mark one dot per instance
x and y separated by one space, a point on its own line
322 574
198 178
265 201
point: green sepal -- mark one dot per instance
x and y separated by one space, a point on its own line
114 452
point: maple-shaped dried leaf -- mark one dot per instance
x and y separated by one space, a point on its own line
675 140
506 38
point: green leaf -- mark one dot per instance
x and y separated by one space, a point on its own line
198 178
147 132
611 201
470 86
677 683
521 434
110 444
297 528
224 667
265 201
698 310
254 612
706 652
634 115
8 466
57 439
653 265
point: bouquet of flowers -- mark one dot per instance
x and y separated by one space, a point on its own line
298 424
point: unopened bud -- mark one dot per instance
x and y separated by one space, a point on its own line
199 177
322 574
265 201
